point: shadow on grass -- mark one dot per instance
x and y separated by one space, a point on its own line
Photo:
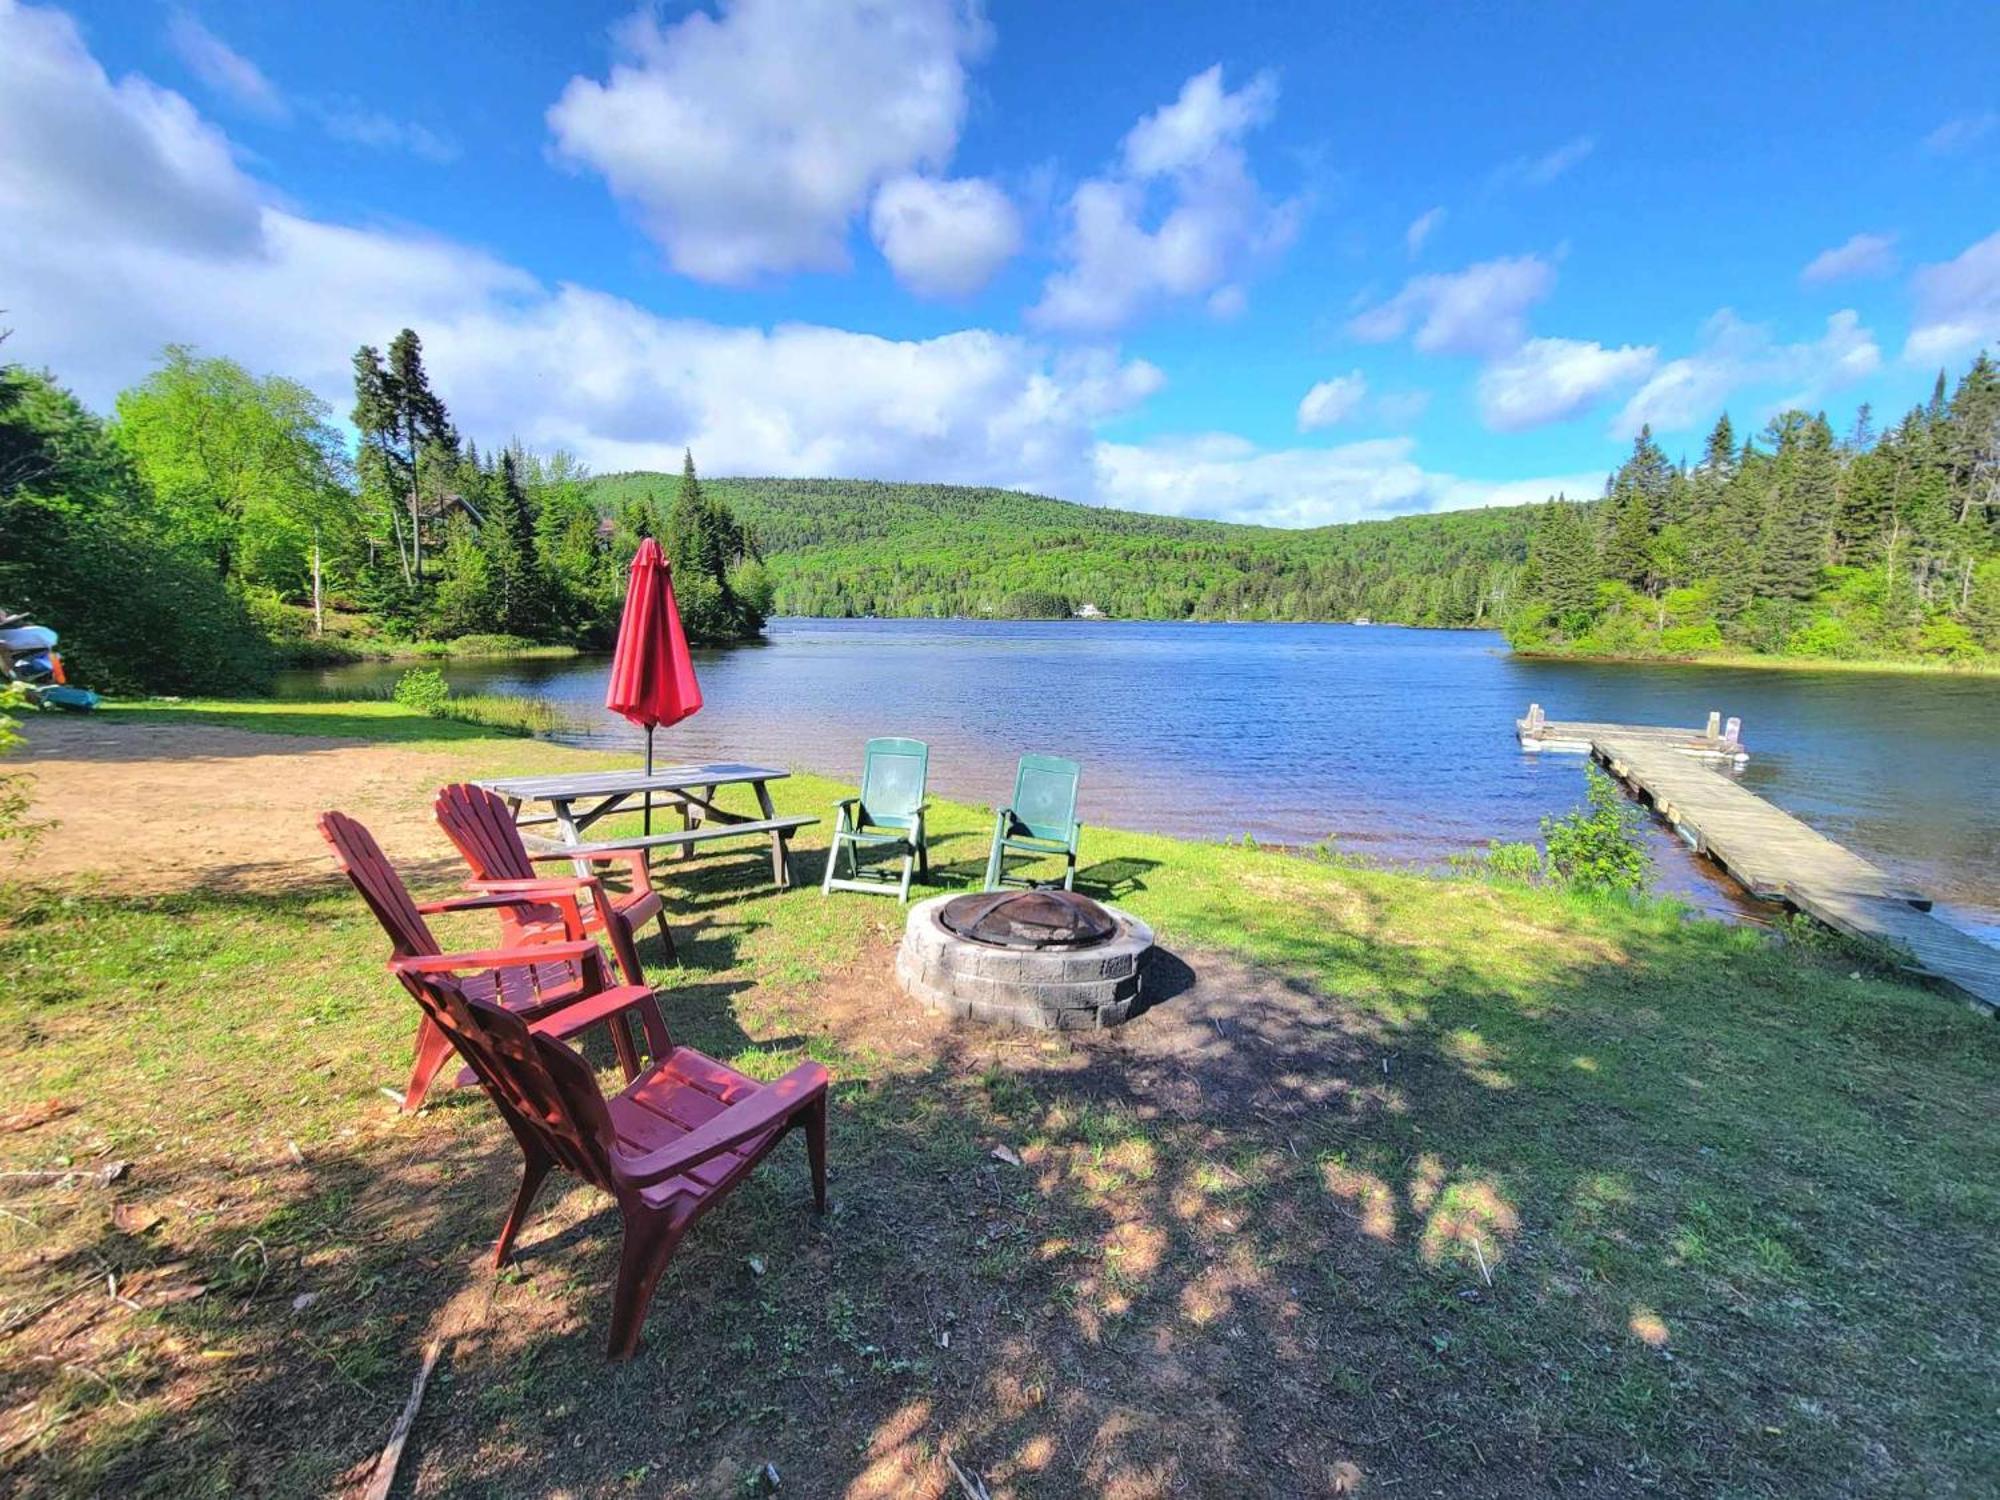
1615 1223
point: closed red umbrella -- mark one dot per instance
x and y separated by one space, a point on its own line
652 675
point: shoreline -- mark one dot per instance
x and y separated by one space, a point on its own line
1884 665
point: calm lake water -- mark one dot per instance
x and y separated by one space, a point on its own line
1398 744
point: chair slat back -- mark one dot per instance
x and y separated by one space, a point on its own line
546 1091
892 778
1045 796
361 859
478 823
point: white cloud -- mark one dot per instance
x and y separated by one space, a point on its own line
1549 380
221 67
84 159
1540 171
569 365
1332 402
944 239
1422 227
1480 310
1189 154
1862 255
1962 133
747 141
1692 391
1227 302
1219 474
358 125
1958 305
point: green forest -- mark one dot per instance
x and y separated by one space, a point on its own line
1795 543
218 523
852 547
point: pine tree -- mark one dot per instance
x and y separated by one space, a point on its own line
1563 559
1628 541
1797 531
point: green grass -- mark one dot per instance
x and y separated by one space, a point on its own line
1450 1185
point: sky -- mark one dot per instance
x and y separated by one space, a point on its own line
1283 264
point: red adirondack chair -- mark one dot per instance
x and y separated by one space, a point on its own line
482 828
535 982
667 1148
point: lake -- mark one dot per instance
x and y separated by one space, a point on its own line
1397 744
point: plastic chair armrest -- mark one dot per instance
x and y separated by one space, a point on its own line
767 1107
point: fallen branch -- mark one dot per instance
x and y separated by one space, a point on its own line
975 1489
392 1455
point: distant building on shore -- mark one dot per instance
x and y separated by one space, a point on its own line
1090 612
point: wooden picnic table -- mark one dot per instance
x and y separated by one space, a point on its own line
577 801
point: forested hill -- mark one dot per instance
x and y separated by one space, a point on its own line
853 547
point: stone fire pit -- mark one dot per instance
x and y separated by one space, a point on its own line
1048 959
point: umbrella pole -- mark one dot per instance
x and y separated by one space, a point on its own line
649 776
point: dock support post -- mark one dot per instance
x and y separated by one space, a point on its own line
1732 733
1714 724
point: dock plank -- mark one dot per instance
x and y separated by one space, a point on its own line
1772 854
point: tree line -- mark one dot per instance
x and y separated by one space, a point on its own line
218 524
856 548
1792 543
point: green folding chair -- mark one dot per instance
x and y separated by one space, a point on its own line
889 813
1040 822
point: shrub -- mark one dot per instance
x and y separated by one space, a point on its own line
1948 639
1509 861
423 689
1601 845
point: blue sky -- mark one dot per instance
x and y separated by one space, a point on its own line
1290 264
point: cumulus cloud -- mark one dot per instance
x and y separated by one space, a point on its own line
1187 159
1692 391
1549 380
100 273
1480 310
1422 227
84 159
747 141
1957 305
1221 474
1962 133
222 68
1332 401
1863 255
944 239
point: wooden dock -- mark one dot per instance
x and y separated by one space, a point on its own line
1768 852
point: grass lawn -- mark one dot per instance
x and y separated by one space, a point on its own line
1414 1186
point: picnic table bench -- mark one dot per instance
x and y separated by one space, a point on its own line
577 801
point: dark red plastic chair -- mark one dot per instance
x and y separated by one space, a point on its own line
480 826
667 1148
534 981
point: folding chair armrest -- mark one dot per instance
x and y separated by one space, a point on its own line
767 1107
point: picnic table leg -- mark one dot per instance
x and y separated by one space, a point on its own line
781 854
566 821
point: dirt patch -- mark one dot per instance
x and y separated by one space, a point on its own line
152 808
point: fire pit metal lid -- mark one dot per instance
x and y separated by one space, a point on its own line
1029 919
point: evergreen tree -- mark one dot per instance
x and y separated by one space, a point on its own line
407 438
1564 561
1797 530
